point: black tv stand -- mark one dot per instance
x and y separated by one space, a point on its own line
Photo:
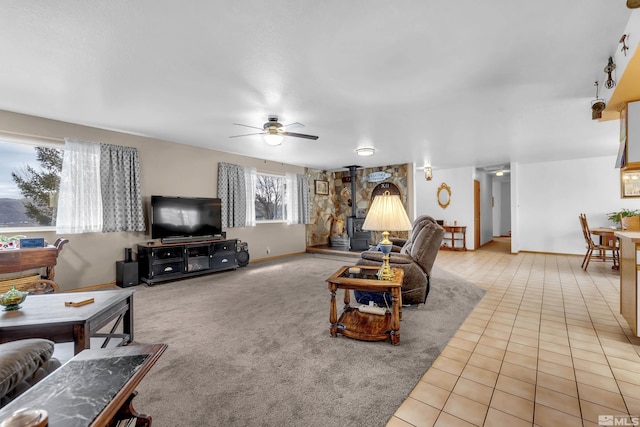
165 261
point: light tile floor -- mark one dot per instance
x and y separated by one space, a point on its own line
546 346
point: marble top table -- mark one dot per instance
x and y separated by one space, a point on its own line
91 389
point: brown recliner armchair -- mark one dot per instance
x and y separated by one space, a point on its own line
415 256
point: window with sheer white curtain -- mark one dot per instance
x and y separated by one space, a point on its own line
79 200
99 189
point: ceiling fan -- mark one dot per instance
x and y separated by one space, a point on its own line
274 131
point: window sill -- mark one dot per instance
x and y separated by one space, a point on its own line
11 231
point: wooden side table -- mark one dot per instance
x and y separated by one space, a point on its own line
18 260
456 233
365 326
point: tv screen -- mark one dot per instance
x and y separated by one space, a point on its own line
185 217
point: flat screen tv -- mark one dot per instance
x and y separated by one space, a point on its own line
185 217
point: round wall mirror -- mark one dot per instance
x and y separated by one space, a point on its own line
444 195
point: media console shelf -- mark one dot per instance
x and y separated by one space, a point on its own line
161 262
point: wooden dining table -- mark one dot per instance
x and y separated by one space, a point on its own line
606 234
607 237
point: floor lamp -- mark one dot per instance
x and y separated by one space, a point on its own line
386 214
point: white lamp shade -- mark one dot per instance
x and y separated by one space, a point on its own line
387 214
273 139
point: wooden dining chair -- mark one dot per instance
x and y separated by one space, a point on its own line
604 247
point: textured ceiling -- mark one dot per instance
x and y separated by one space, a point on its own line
461 83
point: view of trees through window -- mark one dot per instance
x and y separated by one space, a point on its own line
270 192
29 183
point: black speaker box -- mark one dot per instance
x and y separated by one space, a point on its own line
126 273
242 254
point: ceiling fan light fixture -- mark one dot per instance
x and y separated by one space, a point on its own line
273 139
365 151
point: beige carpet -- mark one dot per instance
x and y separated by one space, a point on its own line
252 348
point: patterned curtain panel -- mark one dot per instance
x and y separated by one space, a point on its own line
297 199
79 199
121 192
304 211
232 192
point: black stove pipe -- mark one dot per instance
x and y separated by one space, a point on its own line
352 175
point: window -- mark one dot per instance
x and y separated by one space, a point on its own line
270 198
29 182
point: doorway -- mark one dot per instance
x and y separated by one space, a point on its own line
501 211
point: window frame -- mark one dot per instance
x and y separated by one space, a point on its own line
33 141
283 190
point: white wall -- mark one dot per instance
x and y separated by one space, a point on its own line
460 180
551 195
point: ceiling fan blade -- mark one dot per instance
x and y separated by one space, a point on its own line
294 125
299 135
247 126
247 134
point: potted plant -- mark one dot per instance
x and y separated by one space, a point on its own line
615 216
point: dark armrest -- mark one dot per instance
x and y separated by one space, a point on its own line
394 258
397 241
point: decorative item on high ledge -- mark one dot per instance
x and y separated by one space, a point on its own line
609 68
597 105
12 299
386 214
624 47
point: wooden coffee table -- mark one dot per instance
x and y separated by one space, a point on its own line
365 326
46 316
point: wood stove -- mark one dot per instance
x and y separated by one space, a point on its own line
358 238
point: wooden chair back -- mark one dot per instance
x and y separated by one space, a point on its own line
585 230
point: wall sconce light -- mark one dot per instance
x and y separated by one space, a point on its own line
428 173
365 151
597 105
